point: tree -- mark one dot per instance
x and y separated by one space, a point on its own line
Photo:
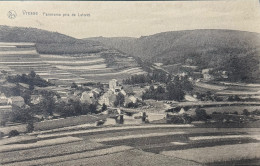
186 84
246 112
93 108
13 133
31 87
27 98
201 114
32 74
120 99
21 115
47 105
151 88
160 89
175 91
30 127
74 85
104 107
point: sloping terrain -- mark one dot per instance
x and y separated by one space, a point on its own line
228 50
60 58
133 145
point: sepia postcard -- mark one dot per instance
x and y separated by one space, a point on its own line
130 83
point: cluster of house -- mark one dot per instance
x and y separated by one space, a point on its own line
208 77
109 97
7 104
13 100
93 95
205 74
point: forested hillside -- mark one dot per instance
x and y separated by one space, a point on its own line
234 51
48 42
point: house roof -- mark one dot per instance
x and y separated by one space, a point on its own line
17 98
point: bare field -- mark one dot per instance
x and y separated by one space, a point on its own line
231 109
218 153
48 151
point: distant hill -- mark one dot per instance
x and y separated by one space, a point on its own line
230 50
19 34
68 59
48 42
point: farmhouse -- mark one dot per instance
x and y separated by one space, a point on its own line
96 92
4 112
107 98
2 81
206 74
2 96
16 100
114 86
36 99
3 99
26 86
130 99
87 97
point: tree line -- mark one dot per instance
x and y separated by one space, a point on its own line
174 90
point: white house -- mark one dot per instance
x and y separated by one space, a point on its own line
16 100
114 86
208 77
2 96
206 71
130 99
87 97
36 99
107 98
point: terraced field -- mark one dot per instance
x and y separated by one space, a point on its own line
133 145
18 58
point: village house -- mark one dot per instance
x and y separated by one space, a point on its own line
107 98
224 74
36 99
8 85
16 101
128 89
26 86
114 86
87 97
206 74
4 113
130 99
77 93
3 99
2 81
2 96
96 92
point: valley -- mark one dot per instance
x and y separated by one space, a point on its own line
164 99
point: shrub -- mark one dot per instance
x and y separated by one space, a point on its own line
201 114
13 133
256 112
3 123
30 127
1 135
100 123
104 107
179 119
246 112
236 113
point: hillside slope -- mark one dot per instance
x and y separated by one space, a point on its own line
60 58
48 42
230 50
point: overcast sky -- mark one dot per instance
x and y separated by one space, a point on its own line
134 19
